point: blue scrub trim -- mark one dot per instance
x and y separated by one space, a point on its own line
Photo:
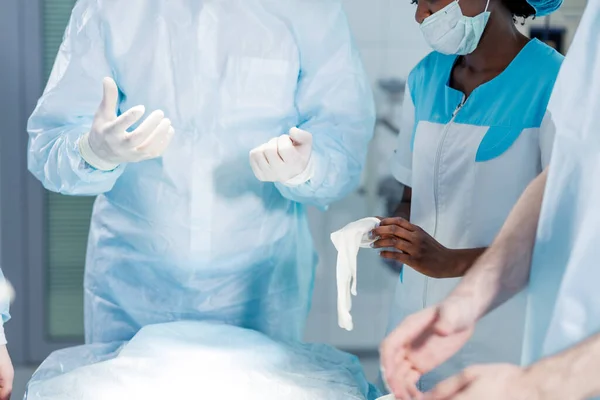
514 101
496 141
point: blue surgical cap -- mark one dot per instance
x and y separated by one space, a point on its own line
545 7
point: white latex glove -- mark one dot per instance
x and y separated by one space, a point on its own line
7 293
109 144
286 159
347 242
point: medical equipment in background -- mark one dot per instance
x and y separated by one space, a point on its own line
393 91
552 36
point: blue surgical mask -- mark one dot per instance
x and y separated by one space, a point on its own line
448 31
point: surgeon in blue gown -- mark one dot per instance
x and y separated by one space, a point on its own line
184 226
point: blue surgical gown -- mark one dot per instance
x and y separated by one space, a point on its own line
193 235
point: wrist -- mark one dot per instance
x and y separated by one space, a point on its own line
459 264
303 176
89 155
547 378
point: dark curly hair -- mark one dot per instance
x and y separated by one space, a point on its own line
519 9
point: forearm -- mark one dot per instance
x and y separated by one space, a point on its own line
571 374
503 270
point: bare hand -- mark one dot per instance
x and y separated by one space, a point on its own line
490 382
7 374
416 248
422 342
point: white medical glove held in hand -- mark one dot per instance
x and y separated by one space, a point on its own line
347 242
285 159
109 144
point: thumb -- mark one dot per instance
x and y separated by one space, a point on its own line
110 98
300 137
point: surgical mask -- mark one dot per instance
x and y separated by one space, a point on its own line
448 31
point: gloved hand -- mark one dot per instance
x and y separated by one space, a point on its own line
109 144
286 159
7 292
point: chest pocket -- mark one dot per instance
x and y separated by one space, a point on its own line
496 141
253 85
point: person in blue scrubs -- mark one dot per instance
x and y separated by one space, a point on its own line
549 241
474 134
183 227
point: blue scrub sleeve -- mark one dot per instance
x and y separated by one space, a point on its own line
334 102
66 110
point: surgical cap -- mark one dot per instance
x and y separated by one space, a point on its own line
545 7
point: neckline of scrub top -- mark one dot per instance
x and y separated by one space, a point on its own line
497 78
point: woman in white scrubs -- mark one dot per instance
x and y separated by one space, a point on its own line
475 132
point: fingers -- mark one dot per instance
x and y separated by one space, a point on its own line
403 383
397 256
146 128
254 165
451 387
413 327
397 221
389 242
157 143
300 137
286 149
397 231
5 392
110 97
272 154
128 118
412 378
260 165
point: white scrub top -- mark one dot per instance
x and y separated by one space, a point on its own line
564 299
467 166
